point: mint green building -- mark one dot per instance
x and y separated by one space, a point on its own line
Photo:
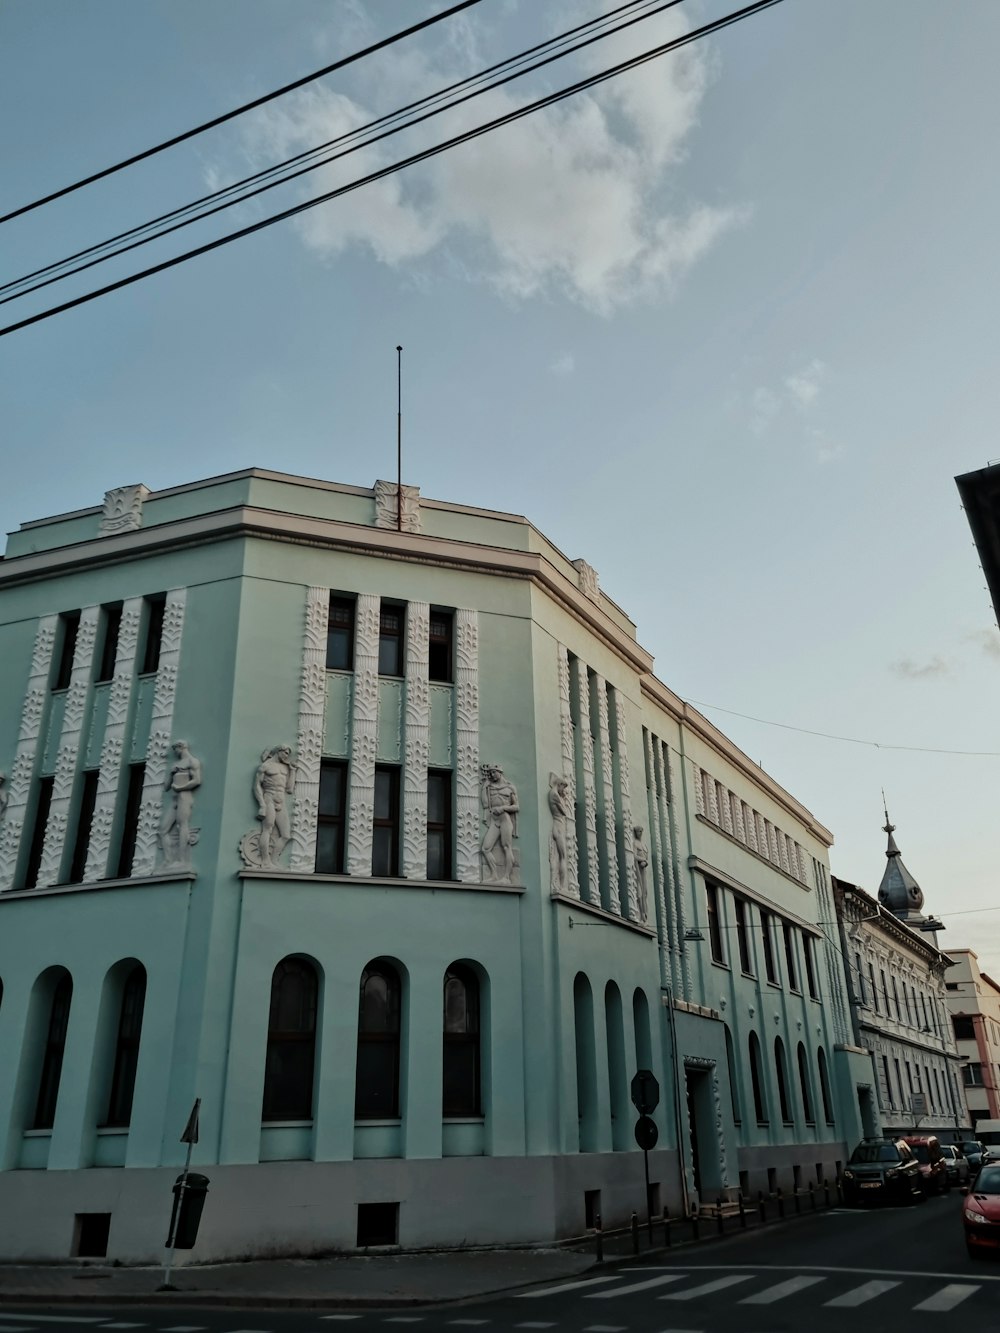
364 819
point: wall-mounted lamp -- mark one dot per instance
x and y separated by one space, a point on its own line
693 934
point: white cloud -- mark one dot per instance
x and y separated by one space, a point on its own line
566 201
765 405
987 639
804 385
564 364
907 669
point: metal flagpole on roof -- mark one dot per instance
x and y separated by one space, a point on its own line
399 438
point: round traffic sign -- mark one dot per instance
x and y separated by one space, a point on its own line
646 1132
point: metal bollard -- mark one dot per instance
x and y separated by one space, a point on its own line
635 1233
600 1238
781 1202
812 1197
798 1203
719 1219
743 1213
694 1226
826 1191
760 1206
666 1229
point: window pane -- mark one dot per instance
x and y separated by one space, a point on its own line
439 647
379 1002
437 855
329 849
340 635
455 1007
376 1089
331 789
461 1077
288 1080
383 793
389 653
383 861
438 798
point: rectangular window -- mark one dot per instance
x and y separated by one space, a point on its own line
714 925
109 648
871 978
439 665
808 944
69 624
130 826
765 934
385 828
899 1080
88 799
340 635
38 832
888 1081
438 825
973 1074
789 934
743 937
330 821
154 608
895 997
391 623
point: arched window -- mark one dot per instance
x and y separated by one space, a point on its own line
52 1057
127 1048
807 1107
618 1079
757 1079
376 1089
291 1042
640 1021
460 1064
782 1072
586 1062
824 1086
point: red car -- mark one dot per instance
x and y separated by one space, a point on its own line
981 1213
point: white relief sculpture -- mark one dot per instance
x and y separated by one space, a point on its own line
119 694
640 857
607 772
593 894
498 798
561 809
177 837
417 731
122 510
587 576
387 513
32 714
67 757
628 827
364 737
720 1131
273 784
147 839
467 836
569 769
4 794
311 731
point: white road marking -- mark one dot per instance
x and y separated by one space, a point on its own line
707 1288
14 1328
780 1290
468 1321
109 1325
604 1328
615 1292
322 1316
568 1286
948 1297
58 1318
200 1328
818 1268
860 1295
529 1324
404 1319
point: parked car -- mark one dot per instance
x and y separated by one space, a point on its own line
957 1164
981 1214
882 1169
973 1151
933 1172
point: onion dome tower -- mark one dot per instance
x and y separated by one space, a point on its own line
899 891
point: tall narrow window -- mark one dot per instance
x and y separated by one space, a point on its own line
130 825
391 623
438 824
291 1042
781 1069
871 978
888 1081
789 936
743 937
860 977
824 1085
69 624
52 1058
895 998
714 925
808 945
768 942
155 607
340 635
84 821
804 1085
376 1089
127 1048
109 647
461 1043
439 666
330 819
385 827
38 832
757 1081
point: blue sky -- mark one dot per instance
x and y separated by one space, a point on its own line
724 328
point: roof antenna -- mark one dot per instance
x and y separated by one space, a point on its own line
889 828
399 440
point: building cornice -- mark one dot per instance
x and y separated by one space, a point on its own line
730 881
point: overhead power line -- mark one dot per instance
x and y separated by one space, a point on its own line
561 46
240 110
434 150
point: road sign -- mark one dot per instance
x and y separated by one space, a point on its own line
645 1092
918 1104
646 1133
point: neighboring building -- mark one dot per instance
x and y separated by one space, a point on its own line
898 1004
980 492
363 819
974 1003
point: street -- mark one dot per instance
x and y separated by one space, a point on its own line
889 1269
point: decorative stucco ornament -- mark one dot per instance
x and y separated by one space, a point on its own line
122 510
587 576
273 784
561 809
498 798
4 795
387 508
177 837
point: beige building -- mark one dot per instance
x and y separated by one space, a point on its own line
974 1004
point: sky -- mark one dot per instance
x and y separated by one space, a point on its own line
724 327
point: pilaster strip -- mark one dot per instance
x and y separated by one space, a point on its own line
161 725
568 771
468 816
23 767
651 747
416 740
311 731
589 785
624 787
109 778
680 881
607 774
364 737
68 755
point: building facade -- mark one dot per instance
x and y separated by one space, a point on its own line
898 1002
363 818
974 1005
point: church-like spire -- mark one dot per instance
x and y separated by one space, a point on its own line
899 891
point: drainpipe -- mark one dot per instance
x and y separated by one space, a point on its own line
675 1064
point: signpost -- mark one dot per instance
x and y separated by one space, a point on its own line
645 1098
190 1137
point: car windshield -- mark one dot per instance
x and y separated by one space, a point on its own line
988 1180
970 1147
875 1152
920 1152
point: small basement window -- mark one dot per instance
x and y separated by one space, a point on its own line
378 1224
90 1235
591 1208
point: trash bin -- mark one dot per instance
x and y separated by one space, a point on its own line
189 1200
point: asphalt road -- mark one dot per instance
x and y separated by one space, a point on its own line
879 1271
